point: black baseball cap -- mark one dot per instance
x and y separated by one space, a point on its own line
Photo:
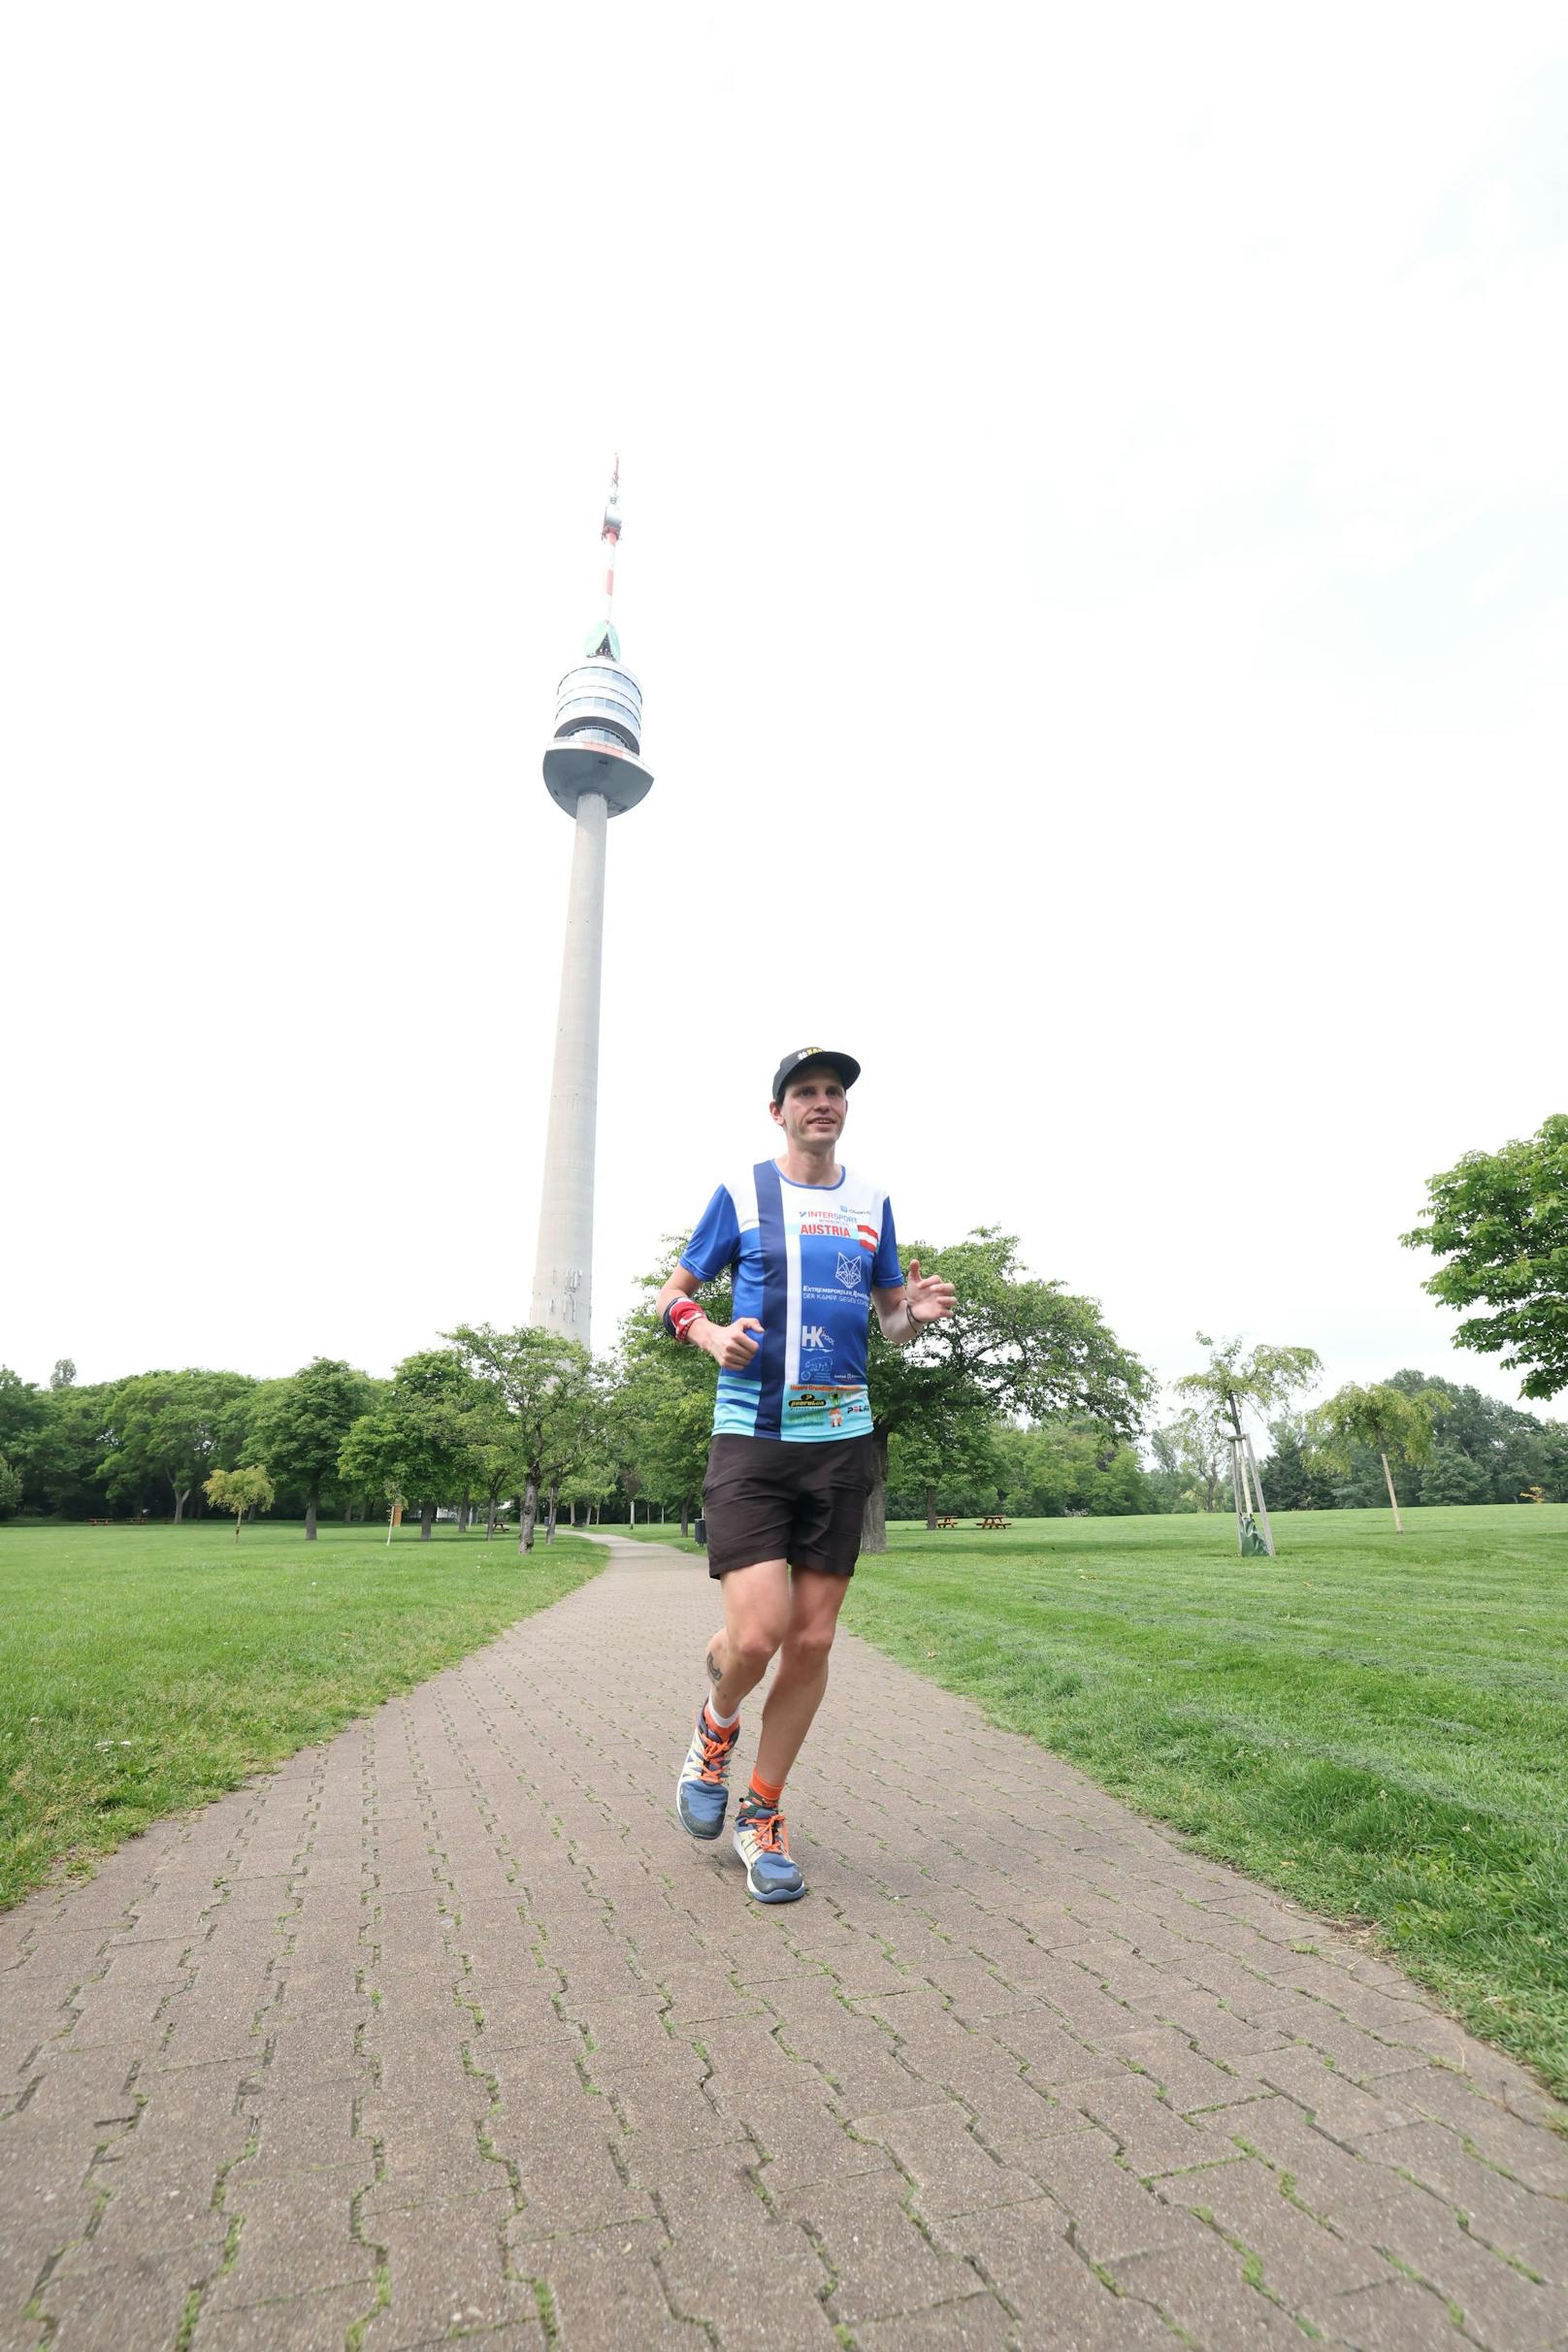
848 1068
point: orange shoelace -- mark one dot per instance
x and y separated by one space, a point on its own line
716 1747
769 1833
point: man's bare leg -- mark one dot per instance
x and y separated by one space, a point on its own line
815 1600
758 1608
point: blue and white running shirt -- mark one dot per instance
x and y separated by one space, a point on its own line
806 1257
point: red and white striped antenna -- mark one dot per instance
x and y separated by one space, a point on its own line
604 638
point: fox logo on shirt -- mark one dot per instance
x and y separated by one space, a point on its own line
849 1271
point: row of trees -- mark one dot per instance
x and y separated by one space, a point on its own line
1024 1400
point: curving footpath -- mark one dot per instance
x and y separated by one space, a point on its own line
446 2030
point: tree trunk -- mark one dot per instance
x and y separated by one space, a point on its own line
237 1519
874 1517
310 1501
930 1510
464 1514
632 1507
571 1512
685 1517
182 1498
1393 1500
427 1520
490 1522
525 1531
551 1508
250 1516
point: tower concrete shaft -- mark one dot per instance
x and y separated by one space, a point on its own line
593 769
564 1262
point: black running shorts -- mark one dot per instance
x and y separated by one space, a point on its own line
766 1498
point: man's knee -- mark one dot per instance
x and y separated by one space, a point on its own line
753 1646
807 1646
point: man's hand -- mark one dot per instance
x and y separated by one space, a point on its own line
730 1345
929 1297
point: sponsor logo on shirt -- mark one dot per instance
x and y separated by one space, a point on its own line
813 1335
849 1271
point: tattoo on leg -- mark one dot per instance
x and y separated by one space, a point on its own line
715 1671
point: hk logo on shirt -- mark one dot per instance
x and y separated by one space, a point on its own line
849 1271
813 1335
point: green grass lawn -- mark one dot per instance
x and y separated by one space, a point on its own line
1376 1723
142 1669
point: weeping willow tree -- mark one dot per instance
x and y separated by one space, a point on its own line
1386 1420
1232 1384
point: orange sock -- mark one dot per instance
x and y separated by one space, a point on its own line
763 1792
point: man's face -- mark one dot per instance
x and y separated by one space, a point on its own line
814 1106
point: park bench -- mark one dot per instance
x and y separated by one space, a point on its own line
947 1523
993 1522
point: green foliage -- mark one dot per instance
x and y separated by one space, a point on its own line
1233 1381
1067 1467
1293 1479
663 1405
9 1490
1501 1219
165 1429
1016 1349
239 1492
299 1427
546 1391
1386 1418
1189 1461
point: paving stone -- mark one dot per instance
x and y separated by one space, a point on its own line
130 2303
1532 2229
952 2171
881 2260
1204 2290
1112 2213
1406 2317
1027 2254
297 2323
1421 2233
978 2320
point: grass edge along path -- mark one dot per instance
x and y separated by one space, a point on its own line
1374 1725
147 1671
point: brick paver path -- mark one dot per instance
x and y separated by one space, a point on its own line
449 2028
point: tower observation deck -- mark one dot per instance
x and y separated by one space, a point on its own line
592 770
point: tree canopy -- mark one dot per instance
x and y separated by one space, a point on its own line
1501 1221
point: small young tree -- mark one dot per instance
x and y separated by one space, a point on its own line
1386 1418
239 1492
1228 1383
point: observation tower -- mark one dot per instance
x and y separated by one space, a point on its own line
593 769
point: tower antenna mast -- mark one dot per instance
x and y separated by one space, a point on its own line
605 640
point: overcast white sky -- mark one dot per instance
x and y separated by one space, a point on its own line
1094 495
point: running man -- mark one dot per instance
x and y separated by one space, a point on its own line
812 1248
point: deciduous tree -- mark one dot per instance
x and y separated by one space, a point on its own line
165 1428
1264 1379
545 1387
299 1429
1383 1418
1501 1221
239 1492
1016 1347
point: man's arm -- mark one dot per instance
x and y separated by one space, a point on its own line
730 1345
905 1314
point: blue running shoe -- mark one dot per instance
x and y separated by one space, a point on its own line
763 1844
703 1790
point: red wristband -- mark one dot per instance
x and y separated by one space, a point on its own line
680 1315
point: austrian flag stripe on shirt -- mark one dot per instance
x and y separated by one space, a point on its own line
804 1260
